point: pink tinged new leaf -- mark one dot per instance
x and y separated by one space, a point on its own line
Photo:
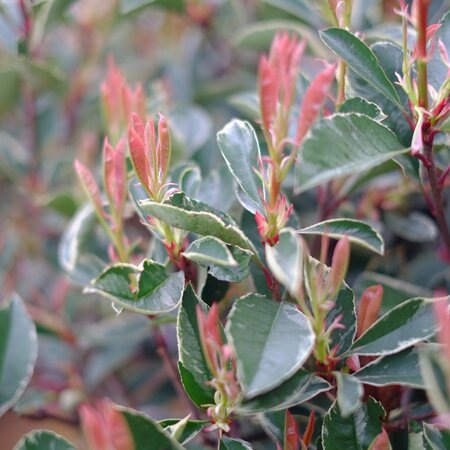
90 187
369 308
313 101
163 149
381 442
268 85
442 312
94 432
139 157
115 174
417 139
340 262
150 145
291 434
309 431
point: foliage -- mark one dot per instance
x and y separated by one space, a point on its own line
250 239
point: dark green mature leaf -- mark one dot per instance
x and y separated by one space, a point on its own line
349 393
240 149
344 144
435 439
301 387
390 58
435 376
43 439
344 309
362 106
18 351
234 444
183 430
355 432
192 364
191 215
357 231
402 327
414 227
9 88
257 328
156 291
145 430
437 70
285 261
360 58
400 368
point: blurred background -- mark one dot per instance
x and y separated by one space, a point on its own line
196 60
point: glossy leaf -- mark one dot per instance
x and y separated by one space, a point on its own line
18 351
156 291
400 368
360 58
435 439
355 432
344 144
437 70
359 232
414 227
227 443
402 327
43 439
210 251
183 430
285 261
193 367
344 309
349 393
240 149
191 215
362 106
144 430
300 388
257 328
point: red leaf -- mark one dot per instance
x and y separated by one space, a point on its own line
291 435
90 187
313 101
268 85
369 308
309 431
381 442
163 149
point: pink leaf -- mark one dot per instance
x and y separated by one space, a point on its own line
313 101
163 149
369 308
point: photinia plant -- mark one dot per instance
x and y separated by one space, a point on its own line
268 288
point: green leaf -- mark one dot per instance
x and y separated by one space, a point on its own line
362 106
43 439
247 104
355 432
299 9
344 309
18 351
257 328
15 159
210 251
132 6
192 364
233 274
145 430
401 327
435 376
259 35
361 59
395 291
359 232
234 444
435 439
400 368
217 189
239 146
183 430
301 387
9 88
156 291
75 254
349 393
344 144
197 217
414 227
285 261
